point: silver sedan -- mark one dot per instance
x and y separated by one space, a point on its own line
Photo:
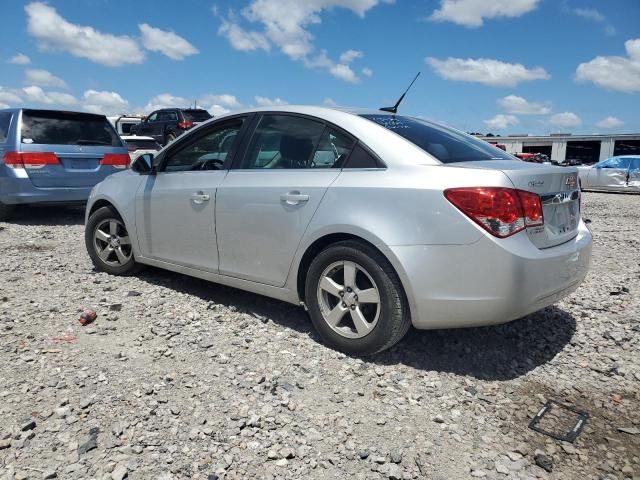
373 222
615 174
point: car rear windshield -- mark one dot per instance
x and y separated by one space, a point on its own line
443 143
196 115
142 145
67 128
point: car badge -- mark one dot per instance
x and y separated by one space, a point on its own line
536 183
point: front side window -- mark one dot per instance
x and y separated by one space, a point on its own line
207 152
286 142
153 117
444 143
620 163
67 128
5 121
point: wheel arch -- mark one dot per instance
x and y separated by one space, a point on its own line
323 241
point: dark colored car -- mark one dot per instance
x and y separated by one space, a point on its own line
167 124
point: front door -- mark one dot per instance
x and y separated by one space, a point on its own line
266 202
175 209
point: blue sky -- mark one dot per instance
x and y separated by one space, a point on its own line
504 66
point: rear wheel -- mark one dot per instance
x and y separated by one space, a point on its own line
108 243
355 299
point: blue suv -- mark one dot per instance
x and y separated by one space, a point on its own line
49 156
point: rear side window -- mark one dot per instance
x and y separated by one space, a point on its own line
196 115
126 127
360 158
443 143
67 128
5 122
285 141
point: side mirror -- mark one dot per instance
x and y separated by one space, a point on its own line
143 164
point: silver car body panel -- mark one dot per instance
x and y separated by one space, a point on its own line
612 179
257 225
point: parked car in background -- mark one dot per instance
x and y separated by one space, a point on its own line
140 145
533 157
615 174
373 221
123 123
167 124
49 156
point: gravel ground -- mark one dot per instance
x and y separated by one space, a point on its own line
179 378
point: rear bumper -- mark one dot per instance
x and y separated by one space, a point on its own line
20 191
491 281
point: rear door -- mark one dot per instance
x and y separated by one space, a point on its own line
69 149
266 202
634 174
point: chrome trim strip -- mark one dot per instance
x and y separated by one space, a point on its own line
560 197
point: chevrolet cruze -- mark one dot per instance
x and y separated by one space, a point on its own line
372 221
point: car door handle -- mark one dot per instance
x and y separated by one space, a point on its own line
294 198
200 198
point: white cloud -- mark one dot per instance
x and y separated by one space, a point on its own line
218 105
104 102
165 42
166 100
565 120
20 59
609 123
367 72
486 71
501 121
284 24
344 72
9 97
521 106
595 16
471 13
350 55
615 72
57 34
269 102
329 102
35 94
43 78
243 40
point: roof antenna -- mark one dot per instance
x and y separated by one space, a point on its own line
394 109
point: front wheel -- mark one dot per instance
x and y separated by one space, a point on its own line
108 243
355 299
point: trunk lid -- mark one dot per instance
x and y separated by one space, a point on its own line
559 194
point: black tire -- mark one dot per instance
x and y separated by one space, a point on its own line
5 211
96 220
393 320
169 137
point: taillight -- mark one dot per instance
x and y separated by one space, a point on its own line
30 160
117 160
500 211
184 124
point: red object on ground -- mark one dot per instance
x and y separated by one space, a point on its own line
87 316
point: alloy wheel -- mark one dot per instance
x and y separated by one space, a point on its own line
349 299
111 242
